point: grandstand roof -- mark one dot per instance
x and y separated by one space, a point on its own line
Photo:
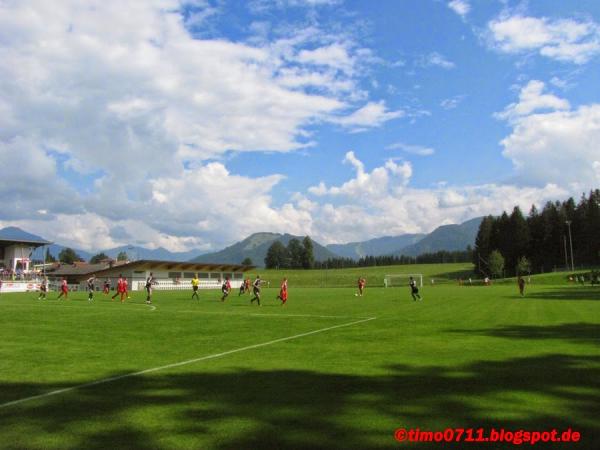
5 242
13 235
149 264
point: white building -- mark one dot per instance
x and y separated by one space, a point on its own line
15 254
170 275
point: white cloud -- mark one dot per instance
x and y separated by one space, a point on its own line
373 114
460 7
532 99
334 55
438 60
453 102
381 203
412 149
558 145
563 40
365 184
123 96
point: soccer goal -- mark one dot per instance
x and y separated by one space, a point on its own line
402 279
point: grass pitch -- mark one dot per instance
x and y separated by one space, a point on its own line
328 370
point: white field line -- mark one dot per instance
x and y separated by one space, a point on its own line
222 313
54 304
178 364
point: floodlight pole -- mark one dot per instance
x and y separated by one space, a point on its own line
568 222
566 253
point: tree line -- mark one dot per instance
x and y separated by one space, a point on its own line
514 244
296 255
442 256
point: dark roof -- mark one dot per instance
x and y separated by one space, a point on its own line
4 242
78 269
150 264
14 235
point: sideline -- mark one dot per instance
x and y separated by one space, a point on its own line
222 313
178 364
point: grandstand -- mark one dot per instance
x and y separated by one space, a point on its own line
15 253
172 275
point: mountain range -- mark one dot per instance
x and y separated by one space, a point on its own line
255 247
375 247
445 237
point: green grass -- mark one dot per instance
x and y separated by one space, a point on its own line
464 357
374 275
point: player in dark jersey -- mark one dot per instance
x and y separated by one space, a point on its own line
91 287
225 288
43 289
150 281
256 290
521 283
106 289
414 290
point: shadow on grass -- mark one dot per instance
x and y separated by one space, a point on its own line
576 332
301 409
570 293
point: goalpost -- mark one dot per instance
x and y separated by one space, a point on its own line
402 279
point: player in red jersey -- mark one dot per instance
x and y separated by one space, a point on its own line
64 289
119 287
124 290
225 288
361 286
283 292
106 289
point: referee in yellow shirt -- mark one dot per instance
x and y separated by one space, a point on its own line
195 284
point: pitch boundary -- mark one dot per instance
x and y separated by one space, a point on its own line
179 364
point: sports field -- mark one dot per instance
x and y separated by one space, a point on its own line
328 370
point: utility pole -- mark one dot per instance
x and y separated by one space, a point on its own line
568 222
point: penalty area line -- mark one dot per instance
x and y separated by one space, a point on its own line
178 364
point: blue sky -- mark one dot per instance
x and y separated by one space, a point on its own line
191 124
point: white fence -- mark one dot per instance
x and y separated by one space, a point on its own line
183 285
19 286
136 285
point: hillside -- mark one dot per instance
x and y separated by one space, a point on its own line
160 254
446 237
375 247
255 247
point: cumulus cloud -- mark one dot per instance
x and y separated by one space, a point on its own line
566 40
552 142
532 99
124 96
382 202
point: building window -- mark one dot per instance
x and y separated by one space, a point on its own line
174 275
238 276
215 275
203 275
189 275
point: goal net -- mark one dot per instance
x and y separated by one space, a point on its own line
402 279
